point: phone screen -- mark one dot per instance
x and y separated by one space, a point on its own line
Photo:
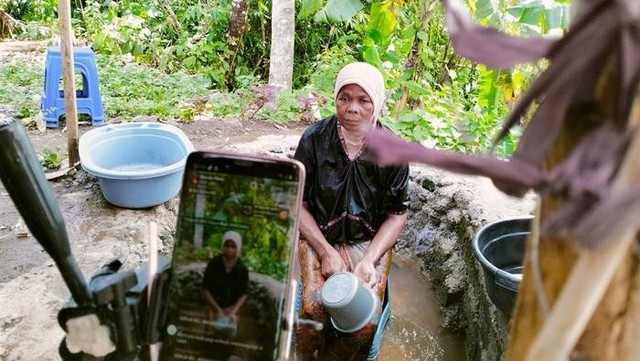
232 259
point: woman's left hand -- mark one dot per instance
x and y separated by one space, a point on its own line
366 272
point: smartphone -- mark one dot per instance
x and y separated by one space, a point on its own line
231 291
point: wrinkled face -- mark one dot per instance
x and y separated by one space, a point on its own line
230 249
354 108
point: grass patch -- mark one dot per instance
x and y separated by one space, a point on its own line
21 84
128 89
131 89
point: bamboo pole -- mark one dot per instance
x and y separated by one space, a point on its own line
611 329
68 79
590 277
588 282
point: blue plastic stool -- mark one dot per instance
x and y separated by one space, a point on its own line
382 325
88 99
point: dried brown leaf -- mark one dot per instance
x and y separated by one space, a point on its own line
512 177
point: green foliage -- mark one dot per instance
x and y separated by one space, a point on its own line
540 17
30 10
176 51
128 89
437 100
51 159
326 67
331 10
313 41
377 35
189 35
21 84
309 7
35 30
498 89
338 10
446 120
173 36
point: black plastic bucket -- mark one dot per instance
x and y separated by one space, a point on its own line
500 248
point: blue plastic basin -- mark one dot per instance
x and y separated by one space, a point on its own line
138 165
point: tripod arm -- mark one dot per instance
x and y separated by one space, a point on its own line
24 179
118 299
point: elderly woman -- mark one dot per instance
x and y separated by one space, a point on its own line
353 211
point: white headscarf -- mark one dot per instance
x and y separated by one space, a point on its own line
233 236
368 77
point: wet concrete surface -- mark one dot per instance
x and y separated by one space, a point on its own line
17 254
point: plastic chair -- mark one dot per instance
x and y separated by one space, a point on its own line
88 99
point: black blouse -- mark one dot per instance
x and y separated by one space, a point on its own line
349 199
225 287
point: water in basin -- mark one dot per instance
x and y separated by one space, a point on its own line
136 167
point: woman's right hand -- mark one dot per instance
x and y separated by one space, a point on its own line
332 263
329 257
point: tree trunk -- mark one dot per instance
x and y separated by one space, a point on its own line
235 32
282 43
612 331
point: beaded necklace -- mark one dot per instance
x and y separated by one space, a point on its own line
346 142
